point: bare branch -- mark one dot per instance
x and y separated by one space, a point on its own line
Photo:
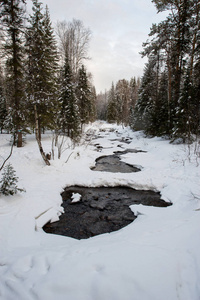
11 150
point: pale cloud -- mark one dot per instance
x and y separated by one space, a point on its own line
119 27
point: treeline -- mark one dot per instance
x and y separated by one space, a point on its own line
117 105
169 96
167 101
44 83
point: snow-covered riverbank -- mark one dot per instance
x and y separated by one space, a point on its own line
155 257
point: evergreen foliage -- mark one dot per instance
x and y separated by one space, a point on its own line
134 90
121 101
83 93
12 19
93 97
112 113
32 92
68 117
9 181
41 67
168 101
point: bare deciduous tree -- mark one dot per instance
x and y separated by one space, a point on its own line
74 40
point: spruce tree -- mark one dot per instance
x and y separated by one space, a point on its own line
41 67
112 113
134 88
68 117
174 49
144 109
8 183
161 113
92 99
35 64
83 93
51 65
12 19
41 72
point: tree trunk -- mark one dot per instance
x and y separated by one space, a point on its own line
169 91
19 139
197 10
38 138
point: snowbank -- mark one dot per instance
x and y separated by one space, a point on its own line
156 257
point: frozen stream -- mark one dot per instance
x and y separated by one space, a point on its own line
113 163
103 209
99 210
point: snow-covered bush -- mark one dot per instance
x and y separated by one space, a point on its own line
8 183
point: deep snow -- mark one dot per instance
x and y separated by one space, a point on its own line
155 257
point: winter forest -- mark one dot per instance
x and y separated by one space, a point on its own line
99 192
44 83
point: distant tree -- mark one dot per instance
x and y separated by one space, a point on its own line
134 90
68 116
101 105
93 96
123 106
112 113
134 87
83 93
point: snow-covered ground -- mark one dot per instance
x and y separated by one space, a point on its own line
157 257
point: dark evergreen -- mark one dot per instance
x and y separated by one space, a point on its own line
112 113
168 101
8 183
68 117
41 68
134 88
12 20
3 110
162 126
83 93
144 109
93 96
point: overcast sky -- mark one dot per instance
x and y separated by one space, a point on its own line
119 27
